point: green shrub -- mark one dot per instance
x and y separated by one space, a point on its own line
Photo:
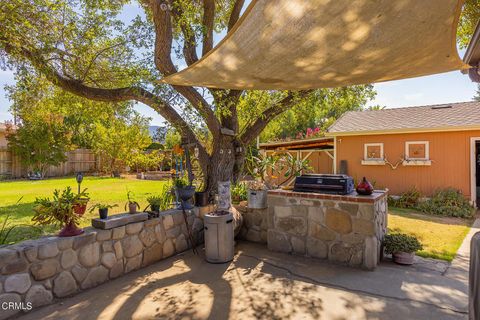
409 199
400 242
239 192
166 196
154 200
181 182
448 202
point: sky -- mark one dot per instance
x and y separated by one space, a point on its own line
436 89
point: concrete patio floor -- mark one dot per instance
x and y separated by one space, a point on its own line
260 284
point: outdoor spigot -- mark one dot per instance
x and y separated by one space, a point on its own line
79 179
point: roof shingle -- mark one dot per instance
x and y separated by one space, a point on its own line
462 114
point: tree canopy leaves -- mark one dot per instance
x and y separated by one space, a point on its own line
86 48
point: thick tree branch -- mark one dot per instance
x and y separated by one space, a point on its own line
164 36
163 61
208 21
269 114
235 15
228 99
95 57
108 95
189 40
231 99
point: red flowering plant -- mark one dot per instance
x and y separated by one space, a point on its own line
310 133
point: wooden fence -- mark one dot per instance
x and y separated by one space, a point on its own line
79 160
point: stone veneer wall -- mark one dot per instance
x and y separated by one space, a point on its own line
341 229
255 224
38 271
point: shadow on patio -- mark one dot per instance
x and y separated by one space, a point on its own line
265 285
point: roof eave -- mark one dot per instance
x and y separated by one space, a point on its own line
472 55
291 142
406 130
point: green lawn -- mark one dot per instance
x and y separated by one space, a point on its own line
106 190
441 236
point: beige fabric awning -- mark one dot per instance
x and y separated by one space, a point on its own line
304 44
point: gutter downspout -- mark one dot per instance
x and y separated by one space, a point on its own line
474 44
472 56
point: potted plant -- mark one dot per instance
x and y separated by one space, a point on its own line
131 203
58 211
291 167
201 197
402 247
257 194
154 202
239 192
102 209
184 191
81 201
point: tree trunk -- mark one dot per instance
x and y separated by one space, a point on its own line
223 164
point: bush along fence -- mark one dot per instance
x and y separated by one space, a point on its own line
444 202
79 160
35 272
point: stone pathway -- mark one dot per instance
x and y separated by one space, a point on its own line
461 263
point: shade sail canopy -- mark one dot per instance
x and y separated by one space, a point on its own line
305 44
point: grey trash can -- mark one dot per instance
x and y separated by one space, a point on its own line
218 238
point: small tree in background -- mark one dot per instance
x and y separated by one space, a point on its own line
172 138
121 140
40 143
147 160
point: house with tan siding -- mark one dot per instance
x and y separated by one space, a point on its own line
427 147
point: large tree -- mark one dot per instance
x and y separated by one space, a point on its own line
84 47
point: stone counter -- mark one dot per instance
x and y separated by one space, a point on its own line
38 271
342 228
254 228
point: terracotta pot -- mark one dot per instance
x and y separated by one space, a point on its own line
80 208
69 230
132 208
405 258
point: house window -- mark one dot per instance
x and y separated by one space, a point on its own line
417 153
373 154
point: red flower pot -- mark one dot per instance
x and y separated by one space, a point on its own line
80 208
70 229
